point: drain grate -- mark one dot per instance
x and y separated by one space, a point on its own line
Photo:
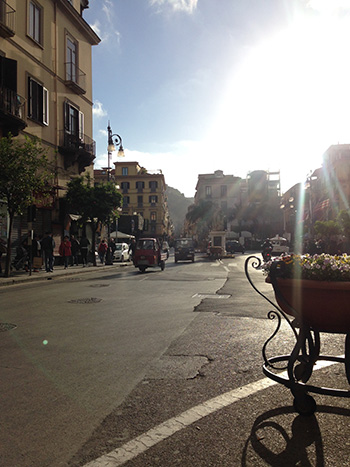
86 300
7 327
215 296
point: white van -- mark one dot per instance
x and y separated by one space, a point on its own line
279 245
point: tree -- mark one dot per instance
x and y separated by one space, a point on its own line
25 172
93 203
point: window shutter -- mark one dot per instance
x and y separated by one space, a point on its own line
81 126
45 106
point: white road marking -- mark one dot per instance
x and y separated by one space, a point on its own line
166 429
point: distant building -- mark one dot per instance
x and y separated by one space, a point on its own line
250 204
143 193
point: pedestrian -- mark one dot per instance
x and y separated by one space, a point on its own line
3 249
36 255
102 250
132 248
75 250
47 247
84 247
65 250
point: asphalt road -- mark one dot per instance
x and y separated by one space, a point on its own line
164 370
80 345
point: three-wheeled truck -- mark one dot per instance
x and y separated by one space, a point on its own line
148 254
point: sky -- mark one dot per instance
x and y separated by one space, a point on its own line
194 86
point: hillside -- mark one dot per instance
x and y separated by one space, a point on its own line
177 205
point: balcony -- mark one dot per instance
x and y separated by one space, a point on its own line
11 112
75 78
7 20
80 149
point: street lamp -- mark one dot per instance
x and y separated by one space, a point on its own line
114 141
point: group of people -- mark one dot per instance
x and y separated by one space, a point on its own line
69 249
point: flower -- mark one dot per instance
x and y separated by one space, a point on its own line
322 267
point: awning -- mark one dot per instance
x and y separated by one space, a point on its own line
120 235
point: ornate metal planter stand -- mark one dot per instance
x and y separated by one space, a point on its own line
306 352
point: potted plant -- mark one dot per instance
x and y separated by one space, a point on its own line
313 288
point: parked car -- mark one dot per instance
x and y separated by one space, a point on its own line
121 252
184 249
233 246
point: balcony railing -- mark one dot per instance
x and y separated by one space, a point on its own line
7 20
75 143
11 103
75 78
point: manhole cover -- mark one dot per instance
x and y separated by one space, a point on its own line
99 285
215 296
7 327
86 300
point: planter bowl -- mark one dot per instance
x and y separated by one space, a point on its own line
324 306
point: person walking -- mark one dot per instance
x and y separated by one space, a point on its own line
84 248
132 248
75 250
47 247
65 250
3 250
102 250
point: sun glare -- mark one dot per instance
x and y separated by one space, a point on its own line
288 101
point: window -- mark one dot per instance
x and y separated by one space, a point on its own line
124 170
153 199
38 102
224 206
223 191
71 70
140 186
126 201
35 22
125 186
74 121
153 186
139 201
208 191
153 216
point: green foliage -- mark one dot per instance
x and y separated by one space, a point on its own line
344 222
95 203
326 229
24 172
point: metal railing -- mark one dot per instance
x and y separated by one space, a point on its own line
74 76
11 102
7 17
77 143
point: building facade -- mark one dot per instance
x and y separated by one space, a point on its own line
46 91
143 194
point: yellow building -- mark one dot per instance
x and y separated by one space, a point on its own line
46 89
144 193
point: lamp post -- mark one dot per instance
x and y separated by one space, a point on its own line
114 141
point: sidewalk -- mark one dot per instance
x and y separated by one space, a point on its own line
18 277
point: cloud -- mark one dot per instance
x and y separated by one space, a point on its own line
187 6
98 110
330 7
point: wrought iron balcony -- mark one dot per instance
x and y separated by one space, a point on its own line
75 78
80 149
7 20
11 111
